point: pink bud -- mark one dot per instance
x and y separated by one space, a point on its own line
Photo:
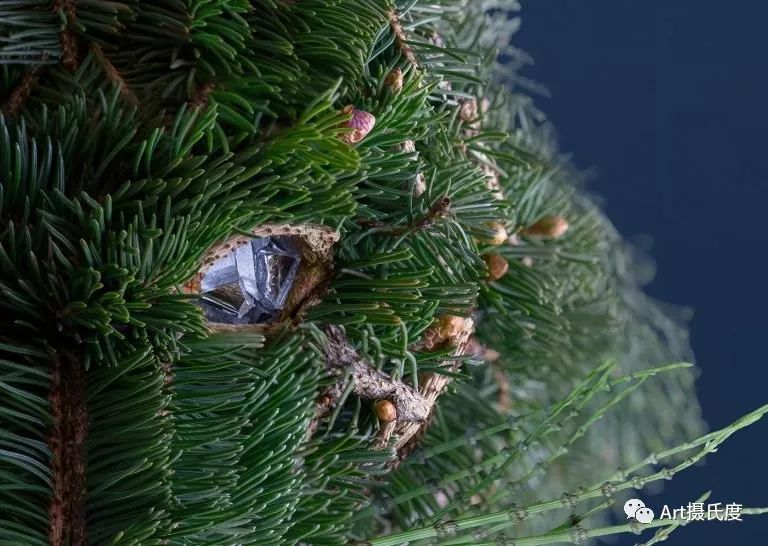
362 122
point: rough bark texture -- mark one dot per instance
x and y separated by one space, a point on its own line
372 384
414 406
432 387
67 442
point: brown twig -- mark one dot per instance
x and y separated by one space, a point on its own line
432 386
438 210
401 40
167 369
67 517
412 410
20 94
404 403
323 406
200 97
113 75
69 45
370 383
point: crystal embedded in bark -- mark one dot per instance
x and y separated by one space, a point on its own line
250 284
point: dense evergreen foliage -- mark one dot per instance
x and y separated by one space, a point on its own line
468 266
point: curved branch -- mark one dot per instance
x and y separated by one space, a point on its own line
371 383
432 387
414 406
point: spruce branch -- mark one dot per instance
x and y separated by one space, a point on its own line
492 467
565 410
202 435
412 406
579 535
575 533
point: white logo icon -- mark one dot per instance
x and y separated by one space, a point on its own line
635 508
644 515
632 506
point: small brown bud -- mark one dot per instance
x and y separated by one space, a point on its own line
468 109
420 184
497 266
385 411
551 227
408 146
362 122
450 326
394 80
430 340
499 235
441 499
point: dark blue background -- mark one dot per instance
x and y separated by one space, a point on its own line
668 100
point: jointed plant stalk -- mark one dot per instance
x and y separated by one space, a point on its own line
620 481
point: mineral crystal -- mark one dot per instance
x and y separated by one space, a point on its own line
251 283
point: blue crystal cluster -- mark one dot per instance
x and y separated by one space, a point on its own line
251 283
